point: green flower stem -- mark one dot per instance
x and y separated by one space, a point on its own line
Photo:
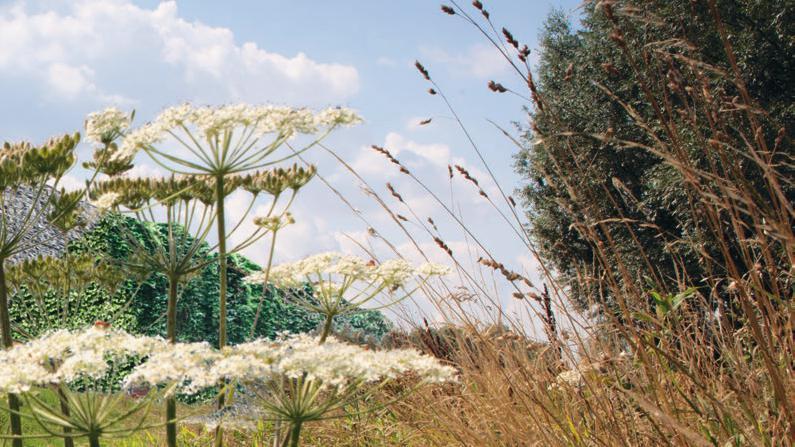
326 328
5 325
295 434
93 441
67 440
171 332
220 217
265 285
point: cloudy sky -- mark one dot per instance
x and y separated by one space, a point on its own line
60 60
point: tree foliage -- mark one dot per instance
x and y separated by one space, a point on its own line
586 184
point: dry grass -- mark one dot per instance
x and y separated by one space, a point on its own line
655 372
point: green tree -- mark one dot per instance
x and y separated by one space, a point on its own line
587 186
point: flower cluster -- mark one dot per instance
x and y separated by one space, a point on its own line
105 126
333 364
256 120
274 223
342 283
348 268
64 356
106 201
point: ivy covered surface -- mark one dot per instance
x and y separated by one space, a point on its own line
138 305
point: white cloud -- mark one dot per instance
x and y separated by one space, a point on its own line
69 81
436 153
386 61
112 50
480 60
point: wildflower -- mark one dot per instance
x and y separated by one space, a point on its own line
252 120
274 223
64 356
105 126
337 117
431 269
106 201
343 283
331 365
143 137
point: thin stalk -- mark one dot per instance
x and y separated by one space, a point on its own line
67 431
295 434
326 328
220 217
264 285
5 325
219 210
171 332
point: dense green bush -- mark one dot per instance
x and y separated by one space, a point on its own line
139 306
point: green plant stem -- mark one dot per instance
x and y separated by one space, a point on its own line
295 434
93 441
171 332
220 218
67 441
5 325
264 286
326 328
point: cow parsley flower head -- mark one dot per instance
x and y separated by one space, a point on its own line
63 356
341 283
394 272
188 365
331 365
106 201
145 136
431 269
106 125
336 116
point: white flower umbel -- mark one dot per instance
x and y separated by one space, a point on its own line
220 143
234 132
333 364
58 359
342 283
296 379
64 356
106 201
106 125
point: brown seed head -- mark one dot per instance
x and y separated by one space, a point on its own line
510 39
422 70
497 87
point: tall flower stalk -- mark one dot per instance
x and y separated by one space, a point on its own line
226 148
221 144
187 208
37 171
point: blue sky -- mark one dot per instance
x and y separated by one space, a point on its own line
60 60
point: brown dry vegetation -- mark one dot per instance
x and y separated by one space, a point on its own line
660 368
